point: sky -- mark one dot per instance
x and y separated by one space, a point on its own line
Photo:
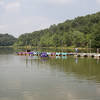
24 16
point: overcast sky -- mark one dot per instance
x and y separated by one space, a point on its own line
22 16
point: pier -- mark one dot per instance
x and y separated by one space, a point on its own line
93 55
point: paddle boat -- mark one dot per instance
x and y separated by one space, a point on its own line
43 54
63 54
49 53
53 54
58 54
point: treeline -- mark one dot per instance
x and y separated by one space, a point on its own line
82 31
79 32
7 40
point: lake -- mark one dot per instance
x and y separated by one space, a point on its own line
33 78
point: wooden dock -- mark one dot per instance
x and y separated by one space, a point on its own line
93 55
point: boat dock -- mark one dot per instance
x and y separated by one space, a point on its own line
93 55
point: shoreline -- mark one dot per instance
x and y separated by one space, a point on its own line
30 47
69 49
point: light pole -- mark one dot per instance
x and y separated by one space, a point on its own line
90 46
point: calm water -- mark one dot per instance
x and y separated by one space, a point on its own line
32 78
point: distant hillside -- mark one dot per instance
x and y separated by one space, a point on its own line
79 32
7 40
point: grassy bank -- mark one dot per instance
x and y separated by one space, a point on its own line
60 49
6 46
53 49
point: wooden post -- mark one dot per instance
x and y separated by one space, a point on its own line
90 48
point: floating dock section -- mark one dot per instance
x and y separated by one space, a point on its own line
93 55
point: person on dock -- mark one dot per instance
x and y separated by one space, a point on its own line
97 50
76 50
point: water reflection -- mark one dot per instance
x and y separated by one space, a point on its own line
76 60
57 57
64 57
6 50
98 61
64 78
86 68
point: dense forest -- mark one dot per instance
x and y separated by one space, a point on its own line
7 40
82 31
